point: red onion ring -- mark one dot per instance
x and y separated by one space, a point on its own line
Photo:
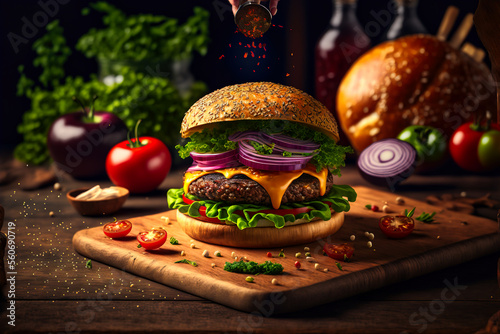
212 156
387 162
194 167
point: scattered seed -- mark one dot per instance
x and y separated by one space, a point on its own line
400 201
310 259
57 186
308 254
352 237
233 254
213 265
316 266
369 244
367 234
249 279
131 285
463 194
274 281
325 270
166 219
183 253
306 249
371 236
217 253
52 214
299 254
192 246
205 253
438 237
386 209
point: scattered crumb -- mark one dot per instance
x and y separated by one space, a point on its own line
325 270
316 266
352 237
192 246
183 253
306 249
400 201
386 209
52 214
213 265
371 236
369 244
57 186
274 281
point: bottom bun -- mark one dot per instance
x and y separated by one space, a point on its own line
259 237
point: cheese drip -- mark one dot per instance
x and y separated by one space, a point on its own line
275 183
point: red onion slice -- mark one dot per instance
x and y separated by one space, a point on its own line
270 166
387 162
194 167
212 156
248 151
290 142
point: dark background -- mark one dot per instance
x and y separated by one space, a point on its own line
298 26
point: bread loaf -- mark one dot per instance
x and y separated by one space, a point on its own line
416 79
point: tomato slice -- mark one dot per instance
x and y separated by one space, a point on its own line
343 252
152 239
396 227
117 229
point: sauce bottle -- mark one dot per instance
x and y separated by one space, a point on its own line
406 21
342 43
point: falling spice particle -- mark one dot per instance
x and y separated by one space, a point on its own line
288 74
222 56
245 55
253 54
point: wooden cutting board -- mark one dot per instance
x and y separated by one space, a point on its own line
454 238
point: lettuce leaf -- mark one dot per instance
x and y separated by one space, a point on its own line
240 214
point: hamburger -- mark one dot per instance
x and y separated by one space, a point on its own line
264 160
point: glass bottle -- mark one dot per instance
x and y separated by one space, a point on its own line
341 44
406 21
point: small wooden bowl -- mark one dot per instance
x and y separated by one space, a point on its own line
97 207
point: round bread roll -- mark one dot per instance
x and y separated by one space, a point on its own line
412 80
260 237
259 101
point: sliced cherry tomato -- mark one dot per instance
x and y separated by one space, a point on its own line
396 226
117 229
342 252
152 239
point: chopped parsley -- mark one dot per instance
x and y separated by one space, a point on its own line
174 241
266 268
88 265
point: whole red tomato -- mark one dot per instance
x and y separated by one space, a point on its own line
140 164
466 144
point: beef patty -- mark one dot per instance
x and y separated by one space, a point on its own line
241 189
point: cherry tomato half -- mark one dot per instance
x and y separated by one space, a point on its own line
396 227
152 239
117 229
342 252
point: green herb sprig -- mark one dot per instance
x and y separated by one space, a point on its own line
409 214
266 268
194 264
88 265
173 241
427 218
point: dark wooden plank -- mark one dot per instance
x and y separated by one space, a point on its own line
350 316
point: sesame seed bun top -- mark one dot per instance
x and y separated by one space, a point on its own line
259 101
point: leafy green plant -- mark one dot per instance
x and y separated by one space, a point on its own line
154 99
140 37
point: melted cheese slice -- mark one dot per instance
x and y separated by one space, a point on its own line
275 183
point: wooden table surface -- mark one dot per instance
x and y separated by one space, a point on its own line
55 292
